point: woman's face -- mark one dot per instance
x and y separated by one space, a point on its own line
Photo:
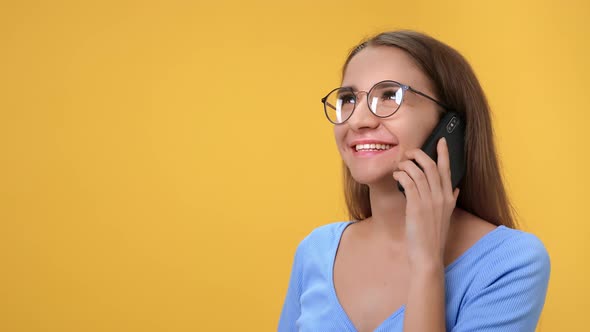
408 128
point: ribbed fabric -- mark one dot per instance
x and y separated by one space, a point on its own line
499 284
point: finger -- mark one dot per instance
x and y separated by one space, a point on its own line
456 194
409 186
430 170
417 176
444 166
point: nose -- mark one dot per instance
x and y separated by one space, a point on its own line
362 117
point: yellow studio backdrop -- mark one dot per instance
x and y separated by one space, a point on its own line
160 161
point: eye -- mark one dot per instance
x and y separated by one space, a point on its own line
347 98
392 94
388 95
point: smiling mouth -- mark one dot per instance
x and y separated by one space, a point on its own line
372 147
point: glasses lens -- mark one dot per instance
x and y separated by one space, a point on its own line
339 105
385 98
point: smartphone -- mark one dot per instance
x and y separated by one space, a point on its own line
452 127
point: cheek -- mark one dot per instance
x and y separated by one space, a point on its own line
411 132
340 138
339 134
422 132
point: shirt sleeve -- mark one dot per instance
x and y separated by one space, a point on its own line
292 307
512 291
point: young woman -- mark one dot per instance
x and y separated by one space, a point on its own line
432 258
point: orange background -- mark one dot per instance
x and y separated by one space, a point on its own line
160 161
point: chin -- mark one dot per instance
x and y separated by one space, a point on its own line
370 177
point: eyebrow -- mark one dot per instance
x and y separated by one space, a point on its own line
350 87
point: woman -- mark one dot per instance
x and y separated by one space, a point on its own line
432 258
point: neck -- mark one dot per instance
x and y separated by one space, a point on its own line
388 208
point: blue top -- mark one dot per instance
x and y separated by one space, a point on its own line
499 284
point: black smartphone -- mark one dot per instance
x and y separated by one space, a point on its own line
452 127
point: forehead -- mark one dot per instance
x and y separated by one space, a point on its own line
378 63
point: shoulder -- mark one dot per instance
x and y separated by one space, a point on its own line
518 248
320 243
512 258
323 236
470 232
506 271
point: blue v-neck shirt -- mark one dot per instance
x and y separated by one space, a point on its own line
499 284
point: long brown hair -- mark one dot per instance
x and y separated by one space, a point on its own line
482 189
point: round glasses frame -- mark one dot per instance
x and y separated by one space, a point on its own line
404 88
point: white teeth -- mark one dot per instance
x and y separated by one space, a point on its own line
372 146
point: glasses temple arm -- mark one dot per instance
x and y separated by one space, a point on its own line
327 104
434 100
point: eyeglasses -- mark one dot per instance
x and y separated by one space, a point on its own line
384 99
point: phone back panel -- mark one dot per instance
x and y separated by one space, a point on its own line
452 127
